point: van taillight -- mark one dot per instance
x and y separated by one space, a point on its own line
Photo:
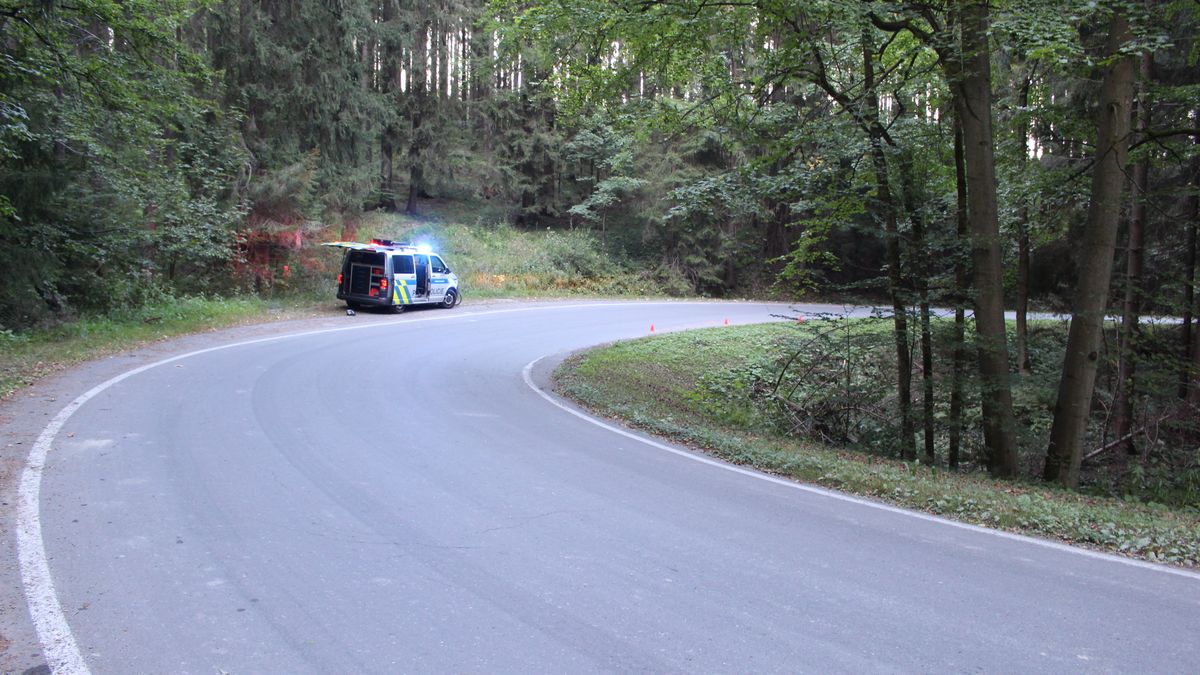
339 278
383 283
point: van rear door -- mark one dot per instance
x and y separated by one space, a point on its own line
422 263
363 273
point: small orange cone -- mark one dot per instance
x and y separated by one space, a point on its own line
651 328
800 319
726 322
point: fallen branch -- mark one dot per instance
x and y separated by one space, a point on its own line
1126 437
1113 444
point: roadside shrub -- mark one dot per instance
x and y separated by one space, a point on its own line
834 381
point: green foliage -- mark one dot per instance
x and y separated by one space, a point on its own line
497 259
609 192
112 162
293 71
160 148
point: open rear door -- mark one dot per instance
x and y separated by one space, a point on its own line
422 262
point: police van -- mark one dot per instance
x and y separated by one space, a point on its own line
382 273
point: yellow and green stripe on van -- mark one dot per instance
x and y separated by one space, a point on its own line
400 294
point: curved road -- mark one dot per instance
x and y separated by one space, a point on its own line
397 498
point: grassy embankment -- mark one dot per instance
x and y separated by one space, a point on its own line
25 357
492 261
691 387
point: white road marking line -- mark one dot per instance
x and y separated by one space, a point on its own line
58 642
526 374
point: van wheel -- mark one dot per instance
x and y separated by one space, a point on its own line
450 299
398 309
354 306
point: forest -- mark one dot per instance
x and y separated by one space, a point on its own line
950 160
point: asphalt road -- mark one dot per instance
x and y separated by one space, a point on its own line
396 498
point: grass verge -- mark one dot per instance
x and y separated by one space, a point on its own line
656 384
26 357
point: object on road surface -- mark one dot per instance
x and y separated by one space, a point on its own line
382 273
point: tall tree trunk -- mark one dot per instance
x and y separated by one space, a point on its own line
1075 389
961 293
1022 132
1024 364
390 68
547 178
418 97
465 71
1132 307
1189 388
481 54
443 58
416 173
927 401
973 104
920 272
387 176
482 77
888 206
529 168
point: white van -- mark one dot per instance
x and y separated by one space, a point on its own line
382 273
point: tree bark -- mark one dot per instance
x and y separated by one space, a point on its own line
888 207
389 84
418 95
1130 330
1024 363
1189 377
927 401
1189 388
1078 381
1022 308
973 104
465 72
920 272
443 57
961 293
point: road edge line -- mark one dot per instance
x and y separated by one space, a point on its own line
527 375
50 622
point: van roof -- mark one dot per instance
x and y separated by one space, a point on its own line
377 245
